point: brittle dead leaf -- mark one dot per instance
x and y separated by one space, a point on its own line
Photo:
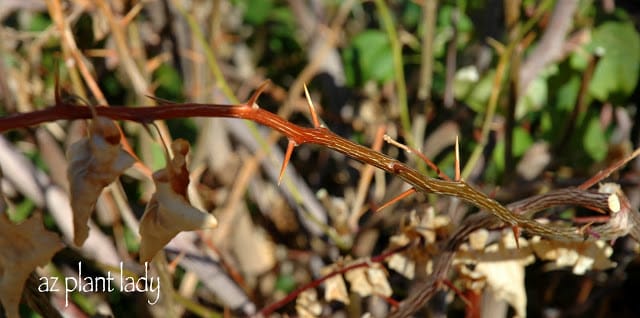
334 287
581 256
506 278
403 265
23 247
94 163
499 267
368 281
252 247
426 226
168 211
307 304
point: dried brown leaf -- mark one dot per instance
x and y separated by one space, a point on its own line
169 212
334 287
506 278
94 163
307 304
424 225
23 247
403 265
252 246
581 256
498 267
368 281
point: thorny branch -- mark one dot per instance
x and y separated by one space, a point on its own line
518 214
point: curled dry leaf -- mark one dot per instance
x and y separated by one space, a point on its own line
368 281
23 247
169 212
403 265
94 163
498 267
334 287
252 247
506 277
425 226
307 304
581 256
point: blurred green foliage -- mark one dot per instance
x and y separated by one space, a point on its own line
368 57
616 75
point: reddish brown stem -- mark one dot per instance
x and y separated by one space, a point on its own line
300 135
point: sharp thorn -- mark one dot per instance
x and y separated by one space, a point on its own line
160 101
516 235
312 109
396 199
287 156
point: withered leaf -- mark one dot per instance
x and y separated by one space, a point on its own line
369 281
334 287
581 256
23 247
307 304
94 163
169 212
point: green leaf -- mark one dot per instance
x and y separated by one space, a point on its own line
258 11
22 211
534 99
478 96
411 15
285 283
373 55
170 83
567 94
39 23
521 142
464 81
594 140
131 240
579 60
616 74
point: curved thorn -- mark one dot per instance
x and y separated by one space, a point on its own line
254 98
287 156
